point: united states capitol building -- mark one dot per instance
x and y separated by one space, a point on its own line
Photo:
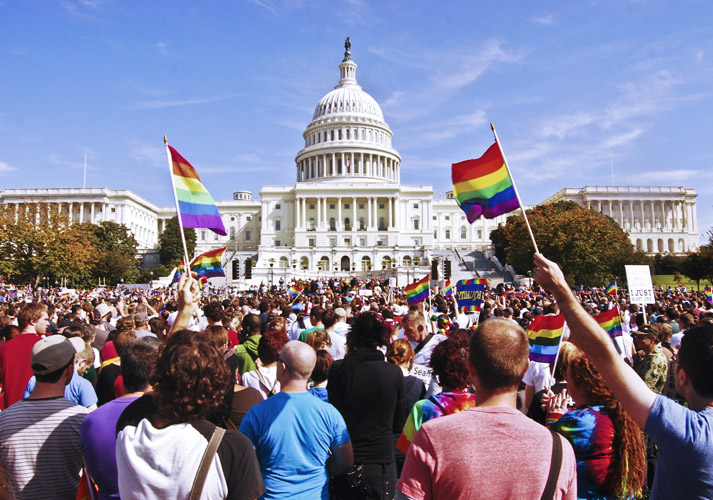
348 212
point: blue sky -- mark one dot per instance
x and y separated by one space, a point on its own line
572 87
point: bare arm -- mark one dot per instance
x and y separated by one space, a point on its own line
586 334
187 291
341 460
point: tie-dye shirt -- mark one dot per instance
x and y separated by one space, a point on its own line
591 432
438 405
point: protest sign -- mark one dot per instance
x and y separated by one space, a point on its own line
641 290
469 294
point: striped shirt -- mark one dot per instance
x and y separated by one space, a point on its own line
39 444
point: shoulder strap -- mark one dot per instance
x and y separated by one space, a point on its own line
555 466
423 343
202 474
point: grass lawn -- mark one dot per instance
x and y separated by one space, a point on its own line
667 280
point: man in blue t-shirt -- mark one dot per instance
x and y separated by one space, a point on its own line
684 436
293 433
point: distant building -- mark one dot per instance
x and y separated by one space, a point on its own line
658 219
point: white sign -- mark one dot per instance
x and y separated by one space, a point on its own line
641 290
366 292
422 372
392 282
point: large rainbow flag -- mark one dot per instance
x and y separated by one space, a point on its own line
195 204
483 186
418 292
611 322
545 334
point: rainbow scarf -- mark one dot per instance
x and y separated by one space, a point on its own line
483 186
612 289
611 322
439 405
195 204
418 292
545 334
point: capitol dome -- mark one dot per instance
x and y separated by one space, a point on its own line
348 136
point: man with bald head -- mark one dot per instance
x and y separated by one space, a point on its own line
300 440
492 450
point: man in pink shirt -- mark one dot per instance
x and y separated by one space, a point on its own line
15 369
492 450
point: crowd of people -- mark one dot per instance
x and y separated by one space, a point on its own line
349 392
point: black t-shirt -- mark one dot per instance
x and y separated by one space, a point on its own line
369 393
105 383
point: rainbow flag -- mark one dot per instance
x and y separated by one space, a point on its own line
483 186
612 289
545 333
209 264
295 291
611 322
417 292
195 204
448 289
709 295
510 291
180 269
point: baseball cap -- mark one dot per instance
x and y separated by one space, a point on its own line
645 330
51 354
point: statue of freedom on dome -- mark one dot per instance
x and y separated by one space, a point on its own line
348 47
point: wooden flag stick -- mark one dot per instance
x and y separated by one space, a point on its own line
512 179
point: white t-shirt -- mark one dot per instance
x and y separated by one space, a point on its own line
538 376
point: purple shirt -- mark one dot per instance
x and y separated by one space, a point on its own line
98 439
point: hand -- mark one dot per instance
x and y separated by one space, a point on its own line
187 292
548 274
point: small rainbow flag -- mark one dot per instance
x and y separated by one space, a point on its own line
510 291
709 295
483 186
612 289
295 291
209 264
545 334
448 289
180 269
611 322
195 204
417 292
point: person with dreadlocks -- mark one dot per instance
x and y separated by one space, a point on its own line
611 461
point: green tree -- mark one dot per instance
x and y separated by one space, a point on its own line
170 245
590 247
39 242
115 247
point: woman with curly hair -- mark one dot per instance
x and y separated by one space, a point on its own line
162 437
449 362
611 461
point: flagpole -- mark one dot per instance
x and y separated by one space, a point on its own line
178 210
512 179
298 296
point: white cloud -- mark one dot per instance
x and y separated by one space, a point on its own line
5 168
163 48
546 20
172 103
148 155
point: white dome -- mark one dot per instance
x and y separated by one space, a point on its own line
348 100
